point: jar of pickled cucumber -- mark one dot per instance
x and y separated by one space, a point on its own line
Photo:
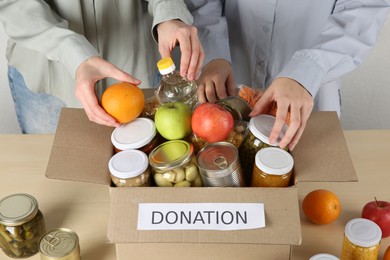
272 168
361 240
260 128
130 168
173 164
21 225
140 134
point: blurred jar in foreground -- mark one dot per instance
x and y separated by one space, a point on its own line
21 225
174 165
260 128
272 168
361 240
138 134
130 168
60 244
323 257
173 87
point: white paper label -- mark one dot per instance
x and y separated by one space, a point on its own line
200 216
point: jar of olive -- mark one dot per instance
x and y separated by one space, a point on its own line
174 165
272 168
130 168
260 128
21 225
361 240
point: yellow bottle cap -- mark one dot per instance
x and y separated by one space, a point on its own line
166 65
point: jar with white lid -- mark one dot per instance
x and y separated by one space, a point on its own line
130 168
272 168
140 134
21 225
323 257
174 164
361 240
260 128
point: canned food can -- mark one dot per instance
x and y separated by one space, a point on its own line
219 165
60 244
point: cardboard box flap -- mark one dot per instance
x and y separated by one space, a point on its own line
81 149
281 215
322 152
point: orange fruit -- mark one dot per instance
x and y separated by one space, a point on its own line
123 101
386 256
321 206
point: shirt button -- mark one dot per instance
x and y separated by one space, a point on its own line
265 29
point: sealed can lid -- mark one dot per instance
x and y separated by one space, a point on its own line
363 232
134 134
128 164
323 257
58 243
171 154
218 157
273 160
261 127
166 65
17 209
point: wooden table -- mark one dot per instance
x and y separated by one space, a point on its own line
83 207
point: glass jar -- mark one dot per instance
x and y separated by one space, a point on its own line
21 225
361 240
260 128
272 168
174 165
130 168
236 106
219 165
323 257
61 244
138 134
173 87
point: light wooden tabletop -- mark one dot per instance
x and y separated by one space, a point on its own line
84 207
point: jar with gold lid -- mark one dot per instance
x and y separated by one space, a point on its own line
260 128
361 240
130 168
272 168
21 225
174 164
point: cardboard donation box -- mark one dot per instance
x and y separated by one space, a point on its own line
207 222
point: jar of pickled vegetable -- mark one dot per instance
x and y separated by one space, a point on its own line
361 240
21 225
260 128
130 168
272 168
138 134
174 165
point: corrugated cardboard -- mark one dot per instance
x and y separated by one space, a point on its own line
81 150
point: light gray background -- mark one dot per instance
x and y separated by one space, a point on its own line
365 91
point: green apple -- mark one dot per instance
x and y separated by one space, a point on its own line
173 120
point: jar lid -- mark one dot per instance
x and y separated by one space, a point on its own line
17 209
171 154
59 243
166 65
261 127
273 160
128 164
134 134
323 257
218 157
363 232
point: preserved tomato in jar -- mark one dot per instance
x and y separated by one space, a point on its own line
21 225
174 165
361 240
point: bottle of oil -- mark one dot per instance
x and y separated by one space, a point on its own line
173 87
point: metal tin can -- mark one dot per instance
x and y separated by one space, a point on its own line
174 165
361 240
60 244
236 106
21 225
219 165
260 128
